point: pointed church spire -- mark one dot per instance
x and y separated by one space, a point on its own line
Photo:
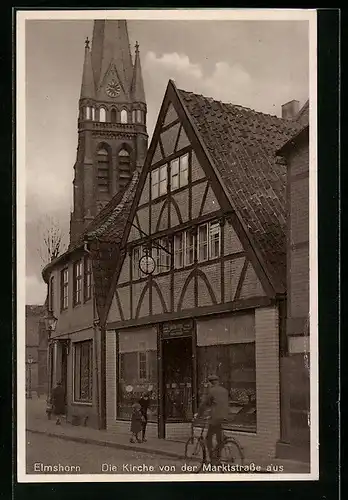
110 46
138 93
87 86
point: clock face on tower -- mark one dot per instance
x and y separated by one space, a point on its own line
113 89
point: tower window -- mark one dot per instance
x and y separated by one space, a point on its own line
88 113
113 116
124 116
103 180
102 115
124 171
93 113
134 115
139 116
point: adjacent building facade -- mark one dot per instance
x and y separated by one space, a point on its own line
200 286
296 366
112 144
35 351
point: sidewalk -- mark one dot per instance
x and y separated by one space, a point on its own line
37 422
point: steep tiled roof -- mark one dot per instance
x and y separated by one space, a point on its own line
105 235
242 144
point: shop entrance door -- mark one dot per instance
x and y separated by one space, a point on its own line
177 379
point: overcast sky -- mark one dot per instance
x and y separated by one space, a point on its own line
258 64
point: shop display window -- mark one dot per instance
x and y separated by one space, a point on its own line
137 371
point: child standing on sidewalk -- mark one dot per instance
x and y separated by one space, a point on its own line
136 423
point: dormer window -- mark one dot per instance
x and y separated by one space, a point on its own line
102 115
124 116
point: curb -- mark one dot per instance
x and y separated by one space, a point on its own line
110 444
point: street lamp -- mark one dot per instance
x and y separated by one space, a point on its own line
50 323
30 360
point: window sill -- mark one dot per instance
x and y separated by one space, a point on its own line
82 403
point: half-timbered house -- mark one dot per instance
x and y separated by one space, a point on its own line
200 286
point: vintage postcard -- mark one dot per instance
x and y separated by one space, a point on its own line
167 245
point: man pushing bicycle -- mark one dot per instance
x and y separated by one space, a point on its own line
216 400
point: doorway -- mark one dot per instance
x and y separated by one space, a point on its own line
177 379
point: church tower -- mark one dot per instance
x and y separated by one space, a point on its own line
112 136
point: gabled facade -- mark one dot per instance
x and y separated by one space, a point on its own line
112 144
209 220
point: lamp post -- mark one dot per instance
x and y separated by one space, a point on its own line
30 360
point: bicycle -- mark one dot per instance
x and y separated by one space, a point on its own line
196 451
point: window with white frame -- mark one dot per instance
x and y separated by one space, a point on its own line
155 183
161 254
179 172
159 181
162 180
202 243
64 288
179 250
77 282
214 240
189 248
174 174
183 169
83 371
87 289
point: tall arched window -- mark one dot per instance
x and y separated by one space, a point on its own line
102 115
139 116
124 170
113 116
93 114
124 116
134 115
103 175
88 113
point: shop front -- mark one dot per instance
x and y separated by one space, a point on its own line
172 361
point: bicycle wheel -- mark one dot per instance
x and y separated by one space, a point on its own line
195 453
231 452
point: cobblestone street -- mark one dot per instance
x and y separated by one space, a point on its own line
91 459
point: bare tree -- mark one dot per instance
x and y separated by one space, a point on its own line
51 239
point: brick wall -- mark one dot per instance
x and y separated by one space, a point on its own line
298 243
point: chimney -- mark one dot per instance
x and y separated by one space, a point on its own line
290 109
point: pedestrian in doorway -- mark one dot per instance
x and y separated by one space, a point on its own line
58 401
136 423
144 402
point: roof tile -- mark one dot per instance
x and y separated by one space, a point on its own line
243 144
